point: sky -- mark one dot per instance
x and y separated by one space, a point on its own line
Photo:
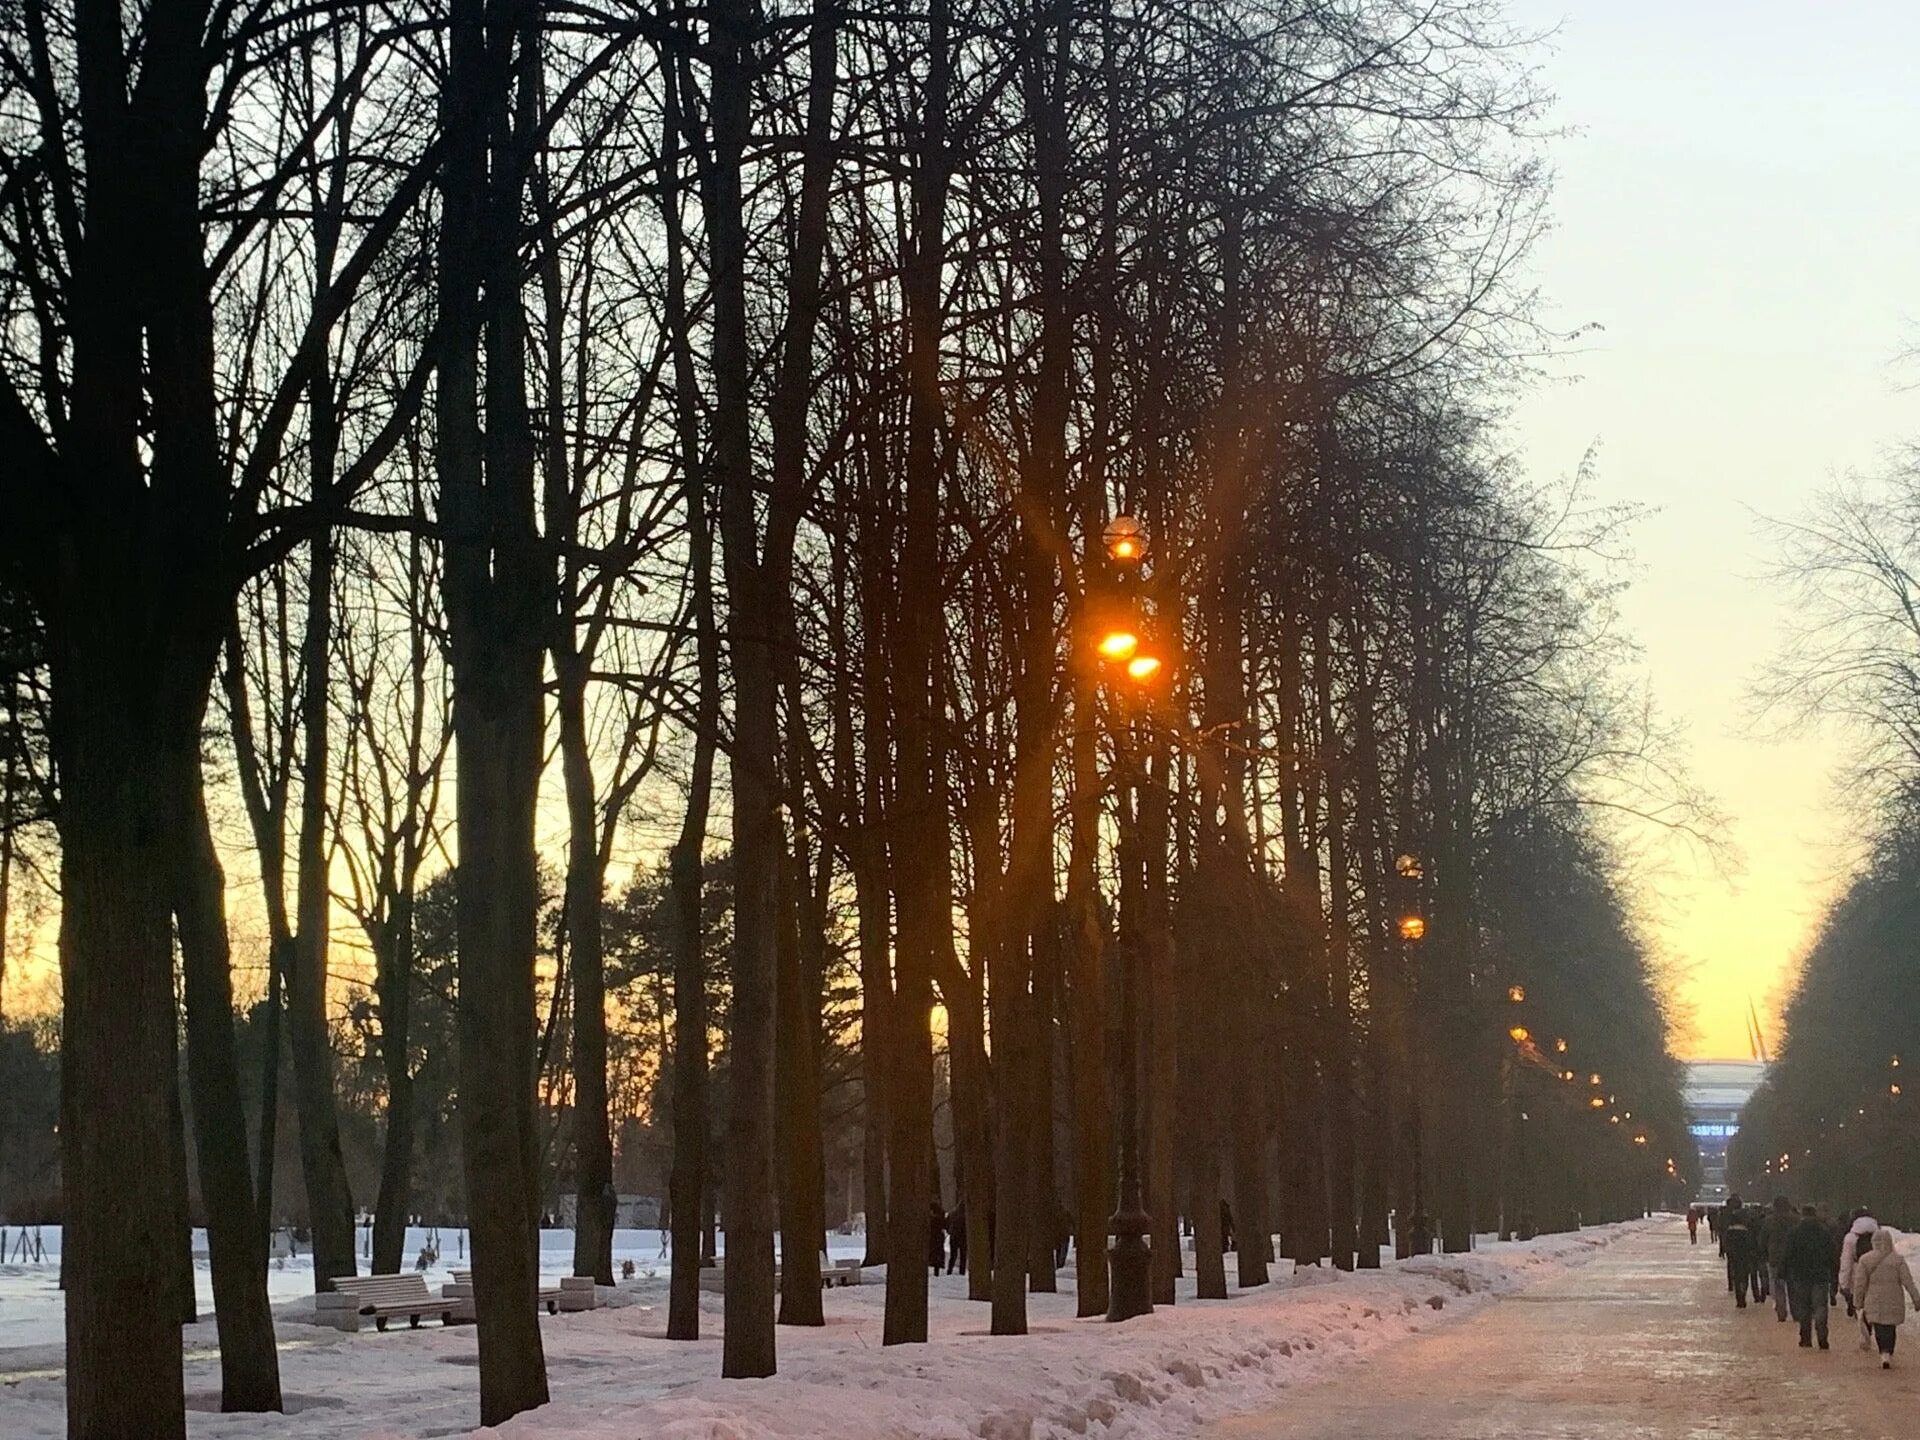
1737 206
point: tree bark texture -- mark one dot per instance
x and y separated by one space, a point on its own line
249 1364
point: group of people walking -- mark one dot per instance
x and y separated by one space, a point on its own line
1807 1263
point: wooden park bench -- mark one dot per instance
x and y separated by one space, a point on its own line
387 1297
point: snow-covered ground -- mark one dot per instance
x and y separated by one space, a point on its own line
614 1376
32 1312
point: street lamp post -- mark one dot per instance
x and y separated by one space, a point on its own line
1130 664
1412 1233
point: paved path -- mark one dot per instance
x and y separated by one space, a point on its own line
1644 1343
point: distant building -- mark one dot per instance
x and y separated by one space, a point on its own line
1716 1092
634 1212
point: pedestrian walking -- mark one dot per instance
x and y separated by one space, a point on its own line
1741 1247
957 1239
1852 1249
1882 1284
1806 1274
1779 1224
936 1234
1693 1225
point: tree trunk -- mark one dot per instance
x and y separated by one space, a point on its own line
1163 1004
122 1241
690 1194
1087 1015
918 838
329 1202
249 1364
752 624
497 604
1046 1198
972 1115
595 1204
802 1205
872 901
393 980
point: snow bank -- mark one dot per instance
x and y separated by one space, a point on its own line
614 1377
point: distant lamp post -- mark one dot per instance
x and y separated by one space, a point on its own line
1517 993
1410 866
1519 1034
1560 1047
1413 927
1131 665
1596 1103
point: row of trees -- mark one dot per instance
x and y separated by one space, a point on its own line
706 419
1834 1112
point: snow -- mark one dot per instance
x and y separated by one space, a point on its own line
613 1375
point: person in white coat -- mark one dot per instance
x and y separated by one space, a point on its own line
1853 1247
1882 1283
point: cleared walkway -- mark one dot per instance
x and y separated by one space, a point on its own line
1644 1342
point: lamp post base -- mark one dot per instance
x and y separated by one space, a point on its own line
1129 1267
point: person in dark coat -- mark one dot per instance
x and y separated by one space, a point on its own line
1774 1230
1807 1268
1741 1246
957 1239
936 1234
1227 1241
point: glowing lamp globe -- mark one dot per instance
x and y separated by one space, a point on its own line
1125 540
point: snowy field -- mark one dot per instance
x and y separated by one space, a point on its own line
614 1376
32 1313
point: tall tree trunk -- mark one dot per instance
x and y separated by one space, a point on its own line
802 1205
1163 1005
265 815
919 835
868 849
119 1260
1204 976
1087 1013
753 624
393 983
1341 1119
186 1301
329 1202
798 982
497 605
1046 1197
249 1364
690 1194
594 1209
875 944
972 1076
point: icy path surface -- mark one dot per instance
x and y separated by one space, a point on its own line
1643 1343
614 1376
